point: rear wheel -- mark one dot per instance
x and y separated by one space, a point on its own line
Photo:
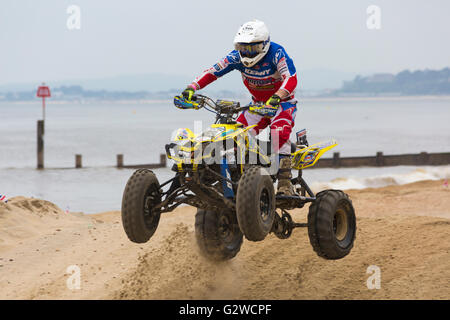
218 234
141 194
332 224
255 204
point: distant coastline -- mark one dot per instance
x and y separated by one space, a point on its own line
242 100
377 98
405 84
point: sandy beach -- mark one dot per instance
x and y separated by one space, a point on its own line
404 230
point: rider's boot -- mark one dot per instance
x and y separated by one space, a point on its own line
285 186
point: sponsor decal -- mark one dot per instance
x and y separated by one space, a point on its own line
279 54
310 157
267 87
261 81
257 73
233 57
227 186
301 133
222 64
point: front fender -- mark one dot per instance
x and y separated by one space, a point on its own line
307 157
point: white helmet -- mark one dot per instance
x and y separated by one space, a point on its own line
252 41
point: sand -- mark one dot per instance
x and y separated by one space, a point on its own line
403 230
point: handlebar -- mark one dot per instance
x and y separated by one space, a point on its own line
223 107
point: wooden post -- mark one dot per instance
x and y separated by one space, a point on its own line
336 160
379 160
120 161
78 162
423 158
162 160
40 144
43 108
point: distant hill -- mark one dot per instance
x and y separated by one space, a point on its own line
426 82
316 80
151 82
79 94
131 83
311 81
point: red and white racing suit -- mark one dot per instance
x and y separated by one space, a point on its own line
273 72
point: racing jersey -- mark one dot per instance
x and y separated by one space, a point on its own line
274 71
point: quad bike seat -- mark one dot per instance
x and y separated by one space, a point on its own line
266 146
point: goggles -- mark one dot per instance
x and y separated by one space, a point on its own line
250 50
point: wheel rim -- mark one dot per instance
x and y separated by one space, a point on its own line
150 198
264 204
340 224
224 228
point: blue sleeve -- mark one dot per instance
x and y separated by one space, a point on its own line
231 62
281 63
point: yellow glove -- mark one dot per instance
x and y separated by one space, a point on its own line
188 93
274 100
265 110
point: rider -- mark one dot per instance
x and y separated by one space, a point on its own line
269 74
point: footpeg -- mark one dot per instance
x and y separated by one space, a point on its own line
283 226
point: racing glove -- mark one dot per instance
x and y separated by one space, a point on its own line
265 110
269 109
188 93
274 100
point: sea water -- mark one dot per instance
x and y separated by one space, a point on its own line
139 131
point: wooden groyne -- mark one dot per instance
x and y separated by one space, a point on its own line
162 163
381 160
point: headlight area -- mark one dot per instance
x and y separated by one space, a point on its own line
204 153
195 154
185 155
213 153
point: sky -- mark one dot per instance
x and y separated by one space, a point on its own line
185 37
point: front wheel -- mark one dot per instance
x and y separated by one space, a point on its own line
218 235
255 204
332 224
139 217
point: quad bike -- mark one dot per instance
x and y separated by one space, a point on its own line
227 174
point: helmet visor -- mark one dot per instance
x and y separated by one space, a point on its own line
249 50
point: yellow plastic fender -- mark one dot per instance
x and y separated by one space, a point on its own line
308 156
